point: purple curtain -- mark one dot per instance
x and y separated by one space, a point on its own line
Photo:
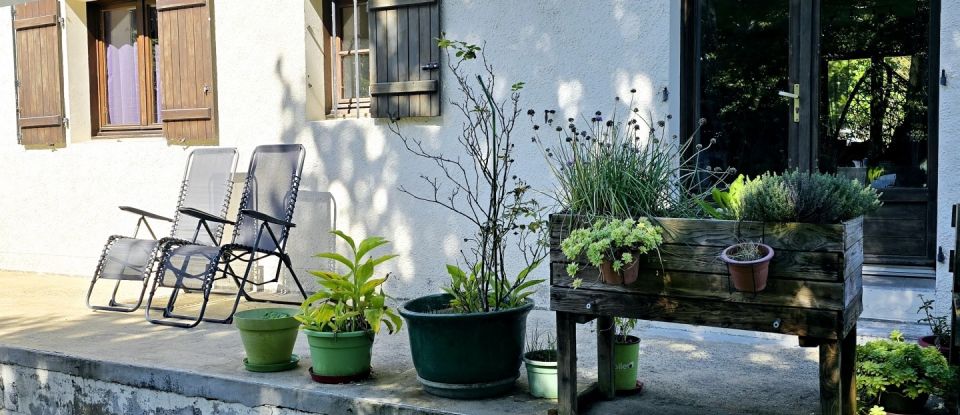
123 95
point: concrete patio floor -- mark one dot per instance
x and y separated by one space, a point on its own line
47 333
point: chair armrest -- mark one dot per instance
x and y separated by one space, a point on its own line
266 218
144 213
199 214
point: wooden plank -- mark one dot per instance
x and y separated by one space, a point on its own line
853 260
413 57
848 374
716 287
187 114
823 266
830 395
375 5
435 56
894 210
35 122
852 232
372 29
403 61
895 227
904 194
852 313
408 87
605 363
566 363
908 246
393 65
703 312
163 5
35 22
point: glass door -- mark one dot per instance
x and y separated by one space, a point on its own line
875 88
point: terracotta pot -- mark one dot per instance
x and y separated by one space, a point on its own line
931 341
748 276
626 276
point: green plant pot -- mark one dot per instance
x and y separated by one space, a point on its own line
267 341
465 356
626 358
339 357
541 375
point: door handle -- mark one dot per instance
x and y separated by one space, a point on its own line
795 96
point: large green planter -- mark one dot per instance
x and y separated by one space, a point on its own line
541 373
626 357
268 336
339 357
465 356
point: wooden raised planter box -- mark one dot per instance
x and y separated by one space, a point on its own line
814 291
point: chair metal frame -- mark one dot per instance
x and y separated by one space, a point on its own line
148 268
228 253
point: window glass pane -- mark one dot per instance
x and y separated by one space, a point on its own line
873 121
349 79
347 18
155 54
120 37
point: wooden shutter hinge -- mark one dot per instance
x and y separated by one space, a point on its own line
66 122
432 66
17 83
19 136
61 22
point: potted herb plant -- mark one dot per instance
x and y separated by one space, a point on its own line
268 336
900 376
938 326
343 317
749 265
614 246
626 355
541 363
468 342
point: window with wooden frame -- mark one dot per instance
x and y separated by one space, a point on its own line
384 58
350 41
124 68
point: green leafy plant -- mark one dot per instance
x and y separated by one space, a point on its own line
354 301
614 240
624 327
894 366
796 196
728 202
623 164
939 326
479 184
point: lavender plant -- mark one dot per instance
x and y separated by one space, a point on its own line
480 186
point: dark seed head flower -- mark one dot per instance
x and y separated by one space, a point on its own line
669 116
636 110
569 119
514 177
616 98
530 112
536 127
609 123
661 123
559 129
597 113
569 139
533 139
633 90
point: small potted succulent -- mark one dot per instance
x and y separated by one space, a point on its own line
541 363
939 326
626 356
268 336
614 246
749 265
342 318
900 376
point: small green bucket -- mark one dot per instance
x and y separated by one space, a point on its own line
541 375
626 358
268 336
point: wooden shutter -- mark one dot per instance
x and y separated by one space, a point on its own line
36 26
404 58
185 57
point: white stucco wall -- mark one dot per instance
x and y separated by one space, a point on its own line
59 207
948 192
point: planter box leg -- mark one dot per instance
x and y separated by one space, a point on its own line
838 386
567 363
605 338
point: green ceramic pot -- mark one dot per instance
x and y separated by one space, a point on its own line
340 357
626 358
465 356
268 334
542 373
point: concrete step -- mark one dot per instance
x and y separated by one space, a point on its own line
895 298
